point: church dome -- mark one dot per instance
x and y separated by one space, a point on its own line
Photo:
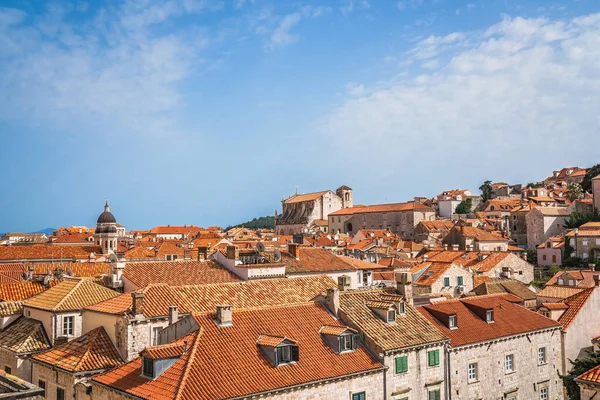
106 217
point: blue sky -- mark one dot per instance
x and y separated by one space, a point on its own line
208 112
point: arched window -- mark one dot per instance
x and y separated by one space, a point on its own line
347 196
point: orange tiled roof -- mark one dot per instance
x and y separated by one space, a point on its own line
74 238
174 273
25 335
72 294
20 290
10 308
91 352
48 251
166 230
555 306
204 298
509 318
305 197
575 303
590 376
81 270
479 234
584 277
316 259
378 208
205 370
559 292
336 330
171 350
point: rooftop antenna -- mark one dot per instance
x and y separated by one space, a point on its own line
296 190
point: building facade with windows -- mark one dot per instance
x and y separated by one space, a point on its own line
498 349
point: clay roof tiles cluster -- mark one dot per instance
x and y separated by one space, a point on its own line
314 259
91 352
204 298
20 290
72 294
174 273
47 252
25 335
305 197
575 303
559 292
510 318
8 308
379 208
411 329
591 375
210 367
500 285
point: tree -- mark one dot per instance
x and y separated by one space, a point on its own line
465 206
574 191
535 185
576 219
486 191
590 174
578 368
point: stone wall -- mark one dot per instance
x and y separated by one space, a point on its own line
518 227
399 222
493 382
296 216
419 379
453 272
541 227
19 366
133 336
519 269
54 379
596 191
583 329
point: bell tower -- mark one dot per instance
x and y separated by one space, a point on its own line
106 235
345 193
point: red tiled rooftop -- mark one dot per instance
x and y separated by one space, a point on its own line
175 273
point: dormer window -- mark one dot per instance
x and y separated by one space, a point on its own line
452 322
279 350
340 338
402 308
489 316
391 316
286 354
560 281
148 367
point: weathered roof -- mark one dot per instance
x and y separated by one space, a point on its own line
72 294
90 352
315 259
409 330
47 252
204 298
575 303
306 197
378 208
499 285
8 308
210 367
174 273
25 335
592 375
509 318
20 290
559 292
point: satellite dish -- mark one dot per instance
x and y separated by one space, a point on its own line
47 280
277 254
69 272
113 258
260 247
25 276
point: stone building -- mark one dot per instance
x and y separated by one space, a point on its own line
399 218
107 235
432 231
441 278
300 211
320 358
596 191
551 252
585 241
405 342
18 342
518 224
471 238
450 199
543 223
589 384
60 369
498 349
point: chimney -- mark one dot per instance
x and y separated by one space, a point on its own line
596 280
294 250
445 246
332 300
138 304
31 269
404 286
431 246
524 255
224 315
343 282
203 253
173 315
470 247
425 257
454 247
233 253
592 267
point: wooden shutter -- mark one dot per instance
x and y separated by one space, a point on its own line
295 354
355 341
430 358
436 357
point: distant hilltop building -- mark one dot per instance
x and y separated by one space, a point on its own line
301 211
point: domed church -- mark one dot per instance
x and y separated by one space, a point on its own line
106 234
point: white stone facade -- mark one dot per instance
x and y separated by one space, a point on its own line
493 381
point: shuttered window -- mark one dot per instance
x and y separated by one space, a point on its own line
446 281
433 358
401 364
434 395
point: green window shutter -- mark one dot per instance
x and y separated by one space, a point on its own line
401 364
447 282
436 357
430 358
460 281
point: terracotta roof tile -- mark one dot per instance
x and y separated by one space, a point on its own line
204 371
25 335
555 306
48 251
559 292
305 197
90 352
171 350
174 273
584 278
72 294
509 318
592 375
409 330
336 330
8 308
575 303
20 290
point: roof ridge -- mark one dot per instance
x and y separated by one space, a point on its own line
57 306
186 371
89 348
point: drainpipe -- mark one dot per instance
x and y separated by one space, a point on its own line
447 376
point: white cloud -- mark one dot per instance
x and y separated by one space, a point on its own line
516 100
282 36
115 72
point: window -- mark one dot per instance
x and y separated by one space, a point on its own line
401 364
391 316
554 258
544 257
452 322
446 281
489 316
544 393
286 354
585 242
346 342
60 394
542 355
434 395
402 308
68 325
147 367
42 385
509 363
359 396
7 369
472 372
459 281
433 358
